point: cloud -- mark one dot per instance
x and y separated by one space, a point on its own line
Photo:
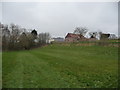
61 18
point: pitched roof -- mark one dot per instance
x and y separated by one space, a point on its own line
74 35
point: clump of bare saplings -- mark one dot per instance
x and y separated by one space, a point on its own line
16 38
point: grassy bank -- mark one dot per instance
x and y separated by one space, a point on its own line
60 66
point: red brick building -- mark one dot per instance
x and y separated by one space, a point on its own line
70 37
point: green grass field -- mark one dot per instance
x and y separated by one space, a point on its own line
60 66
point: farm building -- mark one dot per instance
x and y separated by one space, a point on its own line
113 36
92 38
58 39
70 37
51 40
104 36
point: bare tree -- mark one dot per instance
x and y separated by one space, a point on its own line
81 30
44 37
23 41
30 39
5 36
5 30
47 37
14 36
15 30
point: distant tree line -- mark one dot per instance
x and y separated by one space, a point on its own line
16 38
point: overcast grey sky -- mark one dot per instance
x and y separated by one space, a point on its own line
59 18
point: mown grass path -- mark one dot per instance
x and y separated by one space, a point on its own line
59 66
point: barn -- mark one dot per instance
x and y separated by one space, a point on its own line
71 37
